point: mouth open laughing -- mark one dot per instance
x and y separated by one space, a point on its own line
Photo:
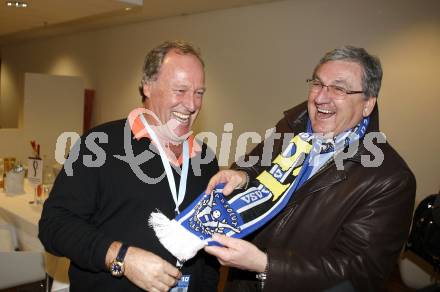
324 113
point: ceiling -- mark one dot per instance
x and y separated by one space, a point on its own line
52 17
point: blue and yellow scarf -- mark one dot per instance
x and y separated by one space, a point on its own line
247 211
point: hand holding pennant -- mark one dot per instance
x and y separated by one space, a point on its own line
239 215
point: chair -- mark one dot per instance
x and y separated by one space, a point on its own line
18 267
420 263
416 273
57 268
21 267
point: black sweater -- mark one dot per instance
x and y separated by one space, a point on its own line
95 206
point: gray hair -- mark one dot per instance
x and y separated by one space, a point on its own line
372 69
154 59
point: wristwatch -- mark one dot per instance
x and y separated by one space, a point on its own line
117 268
261 277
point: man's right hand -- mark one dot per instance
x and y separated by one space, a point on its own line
232 179
149 271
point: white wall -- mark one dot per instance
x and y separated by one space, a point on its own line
257 59
52 105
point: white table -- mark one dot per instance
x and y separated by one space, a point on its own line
24 216
17 211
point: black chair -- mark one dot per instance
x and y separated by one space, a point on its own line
424 239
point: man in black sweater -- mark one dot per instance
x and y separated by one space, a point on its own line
120 172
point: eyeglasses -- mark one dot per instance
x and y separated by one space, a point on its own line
335 91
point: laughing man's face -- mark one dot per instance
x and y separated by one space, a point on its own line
330 116
176 95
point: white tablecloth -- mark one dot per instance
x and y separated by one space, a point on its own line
24 216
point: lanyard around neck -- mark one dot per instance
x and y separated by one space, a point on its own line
178 199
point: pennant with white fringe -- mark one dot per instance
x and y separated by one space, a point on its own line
238 215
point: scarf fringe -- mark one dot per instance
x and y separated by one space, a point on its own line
180 242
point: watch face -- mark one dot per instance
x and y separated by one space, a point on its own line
117 269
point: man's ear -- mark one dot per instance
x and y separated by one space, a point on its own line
146 89
369 106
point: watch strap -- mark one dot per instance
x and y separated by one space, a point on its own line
121 253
